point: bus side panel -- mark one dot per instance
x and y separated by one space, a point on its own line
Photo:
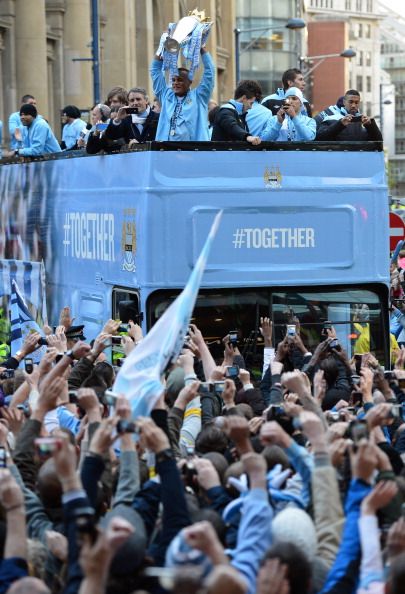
99 218
289 218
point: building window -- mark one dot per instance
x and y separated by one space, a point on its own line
368 109
348 5
359 83
370 7
368 84
360 58
359 5
368 58
367 31
360 30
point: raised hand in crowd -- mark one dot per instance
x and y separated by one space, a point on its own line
396 539
65 318
111 327
186 361
135 332
14 417
96 557
207 474
296 382
228 395
202 536
266 330
50 395
128 344
12 501
30 345
186 395
272 433
313 428
364 459
57 341
379 497
101 342
237 429
319 386
88 401
104 437
282 351
272 578
65 460
151 436
366 384
320 351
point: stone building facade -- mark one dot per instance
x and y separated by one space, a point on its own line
40 40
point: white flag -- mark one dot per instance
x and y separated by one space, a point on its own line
139 377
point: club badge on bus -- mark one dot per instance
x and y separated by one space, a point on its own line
128 245
272 177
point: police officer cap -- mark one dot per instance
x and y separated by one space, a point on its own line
75 332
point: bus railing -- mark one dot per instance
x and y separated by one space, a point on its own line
324 146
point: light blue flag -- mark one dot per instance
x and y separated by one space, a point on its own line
139 377
29 276
22 323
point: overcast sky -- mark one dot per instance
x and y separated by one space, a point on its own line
397 5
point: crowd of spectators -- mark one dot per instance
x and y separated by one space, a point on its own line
180 112
292 482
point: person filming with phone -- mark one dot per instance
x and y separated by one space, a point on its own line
136 122
349 124
290 124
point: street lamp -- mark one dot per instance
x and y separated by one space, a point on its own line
347 53
383 101
95 52
292 24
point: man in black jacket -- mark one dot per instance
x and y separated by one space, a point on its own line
230 120
291 78
135 127
349 124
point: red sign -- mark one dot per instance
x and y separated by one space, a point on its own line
397 230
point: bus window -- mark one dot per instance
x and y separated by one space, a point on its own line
120 295
125 307
218 311
356 314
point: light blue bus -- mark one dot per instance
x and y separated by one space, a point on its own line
304 230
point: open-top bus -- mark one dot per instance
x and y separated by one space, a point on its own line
304 230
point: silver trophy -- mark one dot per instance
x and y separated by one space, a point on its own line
186 37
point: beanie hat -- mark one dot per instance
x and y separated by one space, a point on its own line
71 111
28 109
295 526
294 92
180 553
130 555
339 102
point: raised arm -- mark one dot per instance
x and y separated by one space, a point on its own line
204 89
158 78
